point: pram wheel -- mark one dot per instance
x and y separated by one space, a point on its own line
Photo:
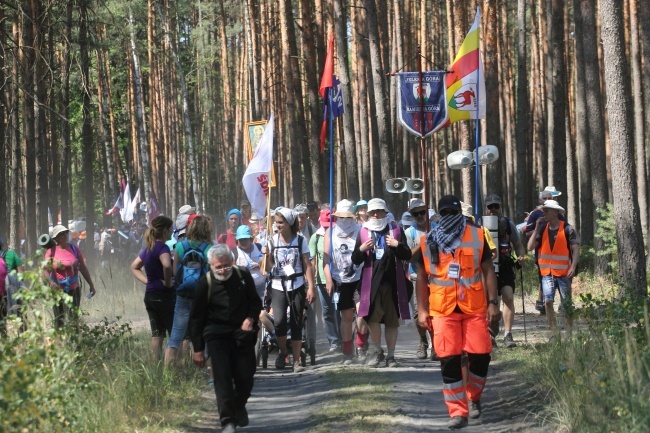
264 352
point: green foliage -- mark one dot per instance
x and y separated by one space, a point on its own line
84 378
607 233
598 380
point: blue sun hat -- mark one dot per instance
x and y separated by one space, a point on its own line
234 212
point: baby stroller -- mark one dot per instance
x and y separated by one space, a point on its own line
267 341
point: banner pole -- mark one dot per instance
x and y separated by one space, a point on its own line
478 211
422 148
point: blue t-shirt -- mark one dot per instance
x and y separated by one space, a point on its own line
153 267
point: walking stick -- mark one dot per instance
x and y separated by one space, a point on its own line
523 304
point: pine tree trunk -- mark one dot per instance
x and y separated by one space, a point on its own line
597 152
523 136
639 127
189 140
87 139
556 102
631 258
349 143
362 81
295 119
65 198
29 144
492 89
139 110
14 134
381 102
644 29
582 135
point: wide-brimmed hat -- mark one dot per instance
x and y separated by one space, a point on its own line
552 204
407 219
415 203
254 218
377 204
553 191
325 219
344 209
58 229
186 210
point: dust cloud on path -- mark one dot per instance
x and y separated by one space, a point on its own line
286 402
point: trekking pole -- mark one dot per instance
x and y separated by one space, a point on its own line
523 304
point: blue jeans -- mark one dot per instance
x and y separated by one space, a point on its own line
562 284
331 317
181 319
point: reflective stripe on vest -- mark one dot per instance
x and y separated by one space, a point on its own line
556 261
466 291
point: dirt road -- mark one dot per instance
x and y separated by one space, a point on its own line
287 402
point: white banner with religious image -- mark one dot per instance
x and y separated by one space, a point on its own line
257 177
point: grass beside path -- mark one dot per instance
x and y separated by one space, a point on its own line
360 401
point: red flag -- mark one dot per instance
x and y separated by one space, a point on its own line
326 82
328 71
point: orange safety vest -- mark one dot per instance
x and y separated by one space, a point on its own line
554 262
466 291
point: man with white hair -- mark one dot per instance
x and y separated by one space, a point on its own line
557 247
225 320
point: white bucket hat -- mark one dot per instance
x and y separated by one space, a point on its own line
552 204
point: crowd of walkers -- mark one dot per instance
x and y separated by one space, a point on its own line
357 261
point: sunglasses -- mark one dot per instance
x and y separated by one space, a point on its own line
418 214
494 206
375 212
446 212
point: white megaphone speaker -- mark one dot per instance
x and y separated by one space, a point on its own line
415 186
487 154
396 185
460 159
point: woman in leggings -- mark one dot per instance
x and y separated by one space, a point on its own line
289 259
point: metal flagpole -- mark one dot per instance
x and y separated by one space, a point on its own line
478 211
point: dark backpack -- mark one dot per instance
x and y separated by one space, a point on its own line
191 267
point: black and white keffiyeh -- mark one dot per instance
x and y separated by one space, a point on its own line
449 232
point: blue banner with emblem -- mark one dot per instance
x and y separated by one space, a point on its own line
421 121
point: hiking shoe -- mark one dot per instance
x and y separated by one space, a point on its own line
297 367
334 347
281 361
347 360
539 306
474 409
457 422
433 356
390 362
362 357
376 359
422 350
508 341
229 428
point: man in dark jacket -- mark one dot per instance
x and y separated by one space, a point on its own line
224 316
385 290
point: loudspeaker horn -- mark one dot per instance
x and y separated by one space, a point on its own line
396 185
415 186
487 154
460 159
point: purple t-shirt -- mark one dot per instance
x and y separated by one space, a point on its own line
153 267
